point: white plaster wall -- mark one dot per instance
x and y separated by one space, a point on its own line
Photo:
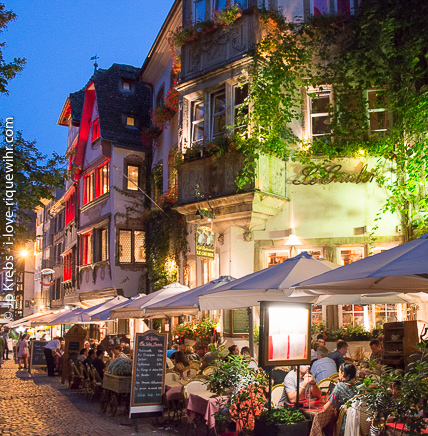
242 253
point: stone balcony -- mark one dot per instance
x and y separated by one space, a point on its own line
210 184
215 48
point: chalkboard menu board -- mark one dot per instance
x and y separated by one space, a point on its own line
37 354
148 371
240 321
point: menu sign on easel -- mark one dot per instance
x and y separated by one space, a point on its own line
37 354
148 374
285 334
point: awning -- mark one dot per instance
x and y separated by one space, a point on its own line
28 319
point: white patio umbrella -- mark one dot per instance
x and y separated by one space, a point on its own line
108 305
74 316
402 269
383 298
135 308
185 303
270 284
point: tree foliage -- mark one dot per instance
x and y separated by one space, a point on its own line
8 70
383 46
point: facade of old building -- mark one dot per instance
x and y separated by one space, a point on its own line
103 250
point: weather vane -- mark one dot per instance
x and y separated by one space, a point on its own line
94 58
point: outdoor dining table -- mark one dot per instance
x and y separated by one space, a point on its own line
205 404
174 390
311 408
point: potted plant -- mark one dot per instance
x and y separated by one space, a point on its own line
285 421
398 398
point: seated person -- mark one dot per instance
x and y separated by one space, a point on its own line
377 352
169 363
83 354
181 348
315 346
172 350
323 367
343 391
307 386
118 353
245 353
99 364
200 351
233 353
337 355
278 374
181 363
321 340
190 354
210 359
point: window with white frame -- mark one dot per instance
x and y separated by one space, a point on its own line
133 180
343 7
347 255
316 313
377 112
352 314
319 103
274 257
197 112
131 246
218 113
86 249
198 11
381 313
240 93
316 252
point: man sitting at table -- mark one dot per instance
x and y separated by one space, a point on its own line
323 367
99 364
337 355
307 386
376 348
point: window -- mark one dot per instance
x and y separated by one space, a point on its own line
239 96
321 7
198 10
104 244
88 188
96 183
126 86
133 180
276 257
95 129
197 121
130 121
160 97
87 249
313 252
378 114
218 113
381 313
319 103
350 254
352 314
69 208
157 180
102 179
316 313
132 246
67 266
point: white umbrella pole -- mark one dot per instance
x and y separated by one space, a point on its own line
250 330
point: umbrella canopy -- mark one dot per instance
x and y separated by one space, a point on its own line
270 284
135 308
28 319
186 303
105 307
383 298
73 316
402 269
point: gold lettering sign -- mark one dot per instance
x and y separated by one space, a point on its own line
331 173
205 243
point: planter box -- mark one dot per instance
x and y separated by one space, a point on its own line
117 383
299 429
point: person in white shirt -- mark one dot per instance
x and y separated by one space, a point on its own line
52 349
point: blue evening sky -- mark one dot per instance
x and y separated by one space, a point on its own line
58 38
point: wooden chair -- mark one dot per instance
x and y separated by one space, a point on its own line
85 379
342 412
193 387
208 370
326 386
171 377
195 364
75 379
276 394
95 384
334 377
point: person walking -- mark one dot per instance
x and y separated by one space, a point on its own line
2 345
23 351
5 336
52 349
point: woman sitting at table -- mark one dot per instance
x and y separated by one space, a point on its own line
344 391
190 354
181 363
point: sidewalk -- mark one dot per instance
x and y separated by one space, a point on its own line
37 405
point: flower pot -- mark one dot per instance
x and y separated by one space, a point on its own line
262 428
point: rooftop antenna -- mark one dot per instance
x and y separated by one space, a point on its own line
94 58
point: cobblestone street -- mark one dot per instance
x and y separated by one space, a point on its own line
37 405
